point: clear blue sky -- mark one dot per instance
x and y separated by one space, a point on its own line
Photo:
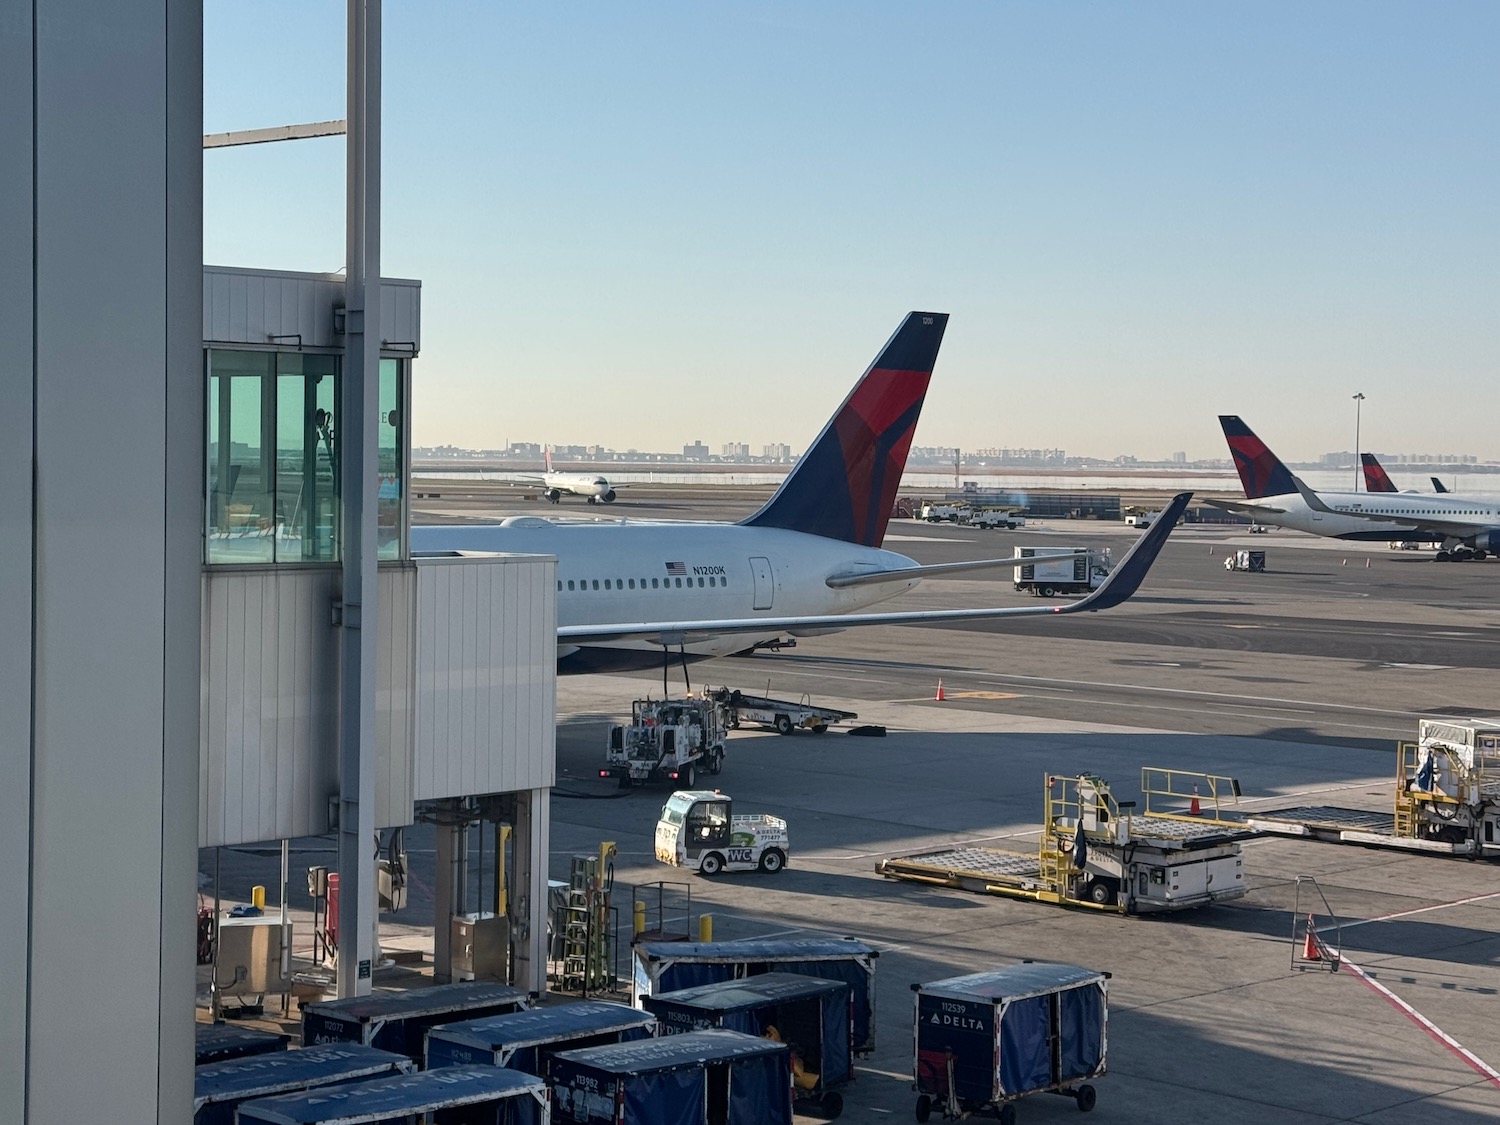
641 224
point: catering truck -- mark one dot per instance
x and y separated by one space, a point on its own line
1084 572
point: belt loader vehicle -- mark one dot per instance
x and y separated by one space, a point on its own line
782 715
1082 573
699 829
666 740
1096 853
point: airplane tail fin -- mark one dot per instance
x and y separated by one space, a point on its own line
547 458
1437 485
1261 471
1376 479
843 487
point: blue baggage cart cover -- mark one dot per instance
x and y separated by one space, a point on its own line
258 1076
757 949
543 1025
753 992
670 1052
218 1041
419 1002
1015 982
385 1098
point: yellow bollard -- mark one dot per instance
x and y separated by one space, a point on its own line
639 925
258 897
705 927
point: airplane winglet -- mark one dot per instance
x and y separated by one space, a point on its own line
1126 578
1311 498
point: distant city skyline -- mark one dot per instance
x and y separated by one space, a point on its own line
706 219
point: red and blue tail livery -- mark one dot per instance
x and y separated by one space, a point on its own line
844 486
1261 472
1376 478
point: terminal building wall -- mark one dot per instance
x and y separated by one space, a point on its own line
100 310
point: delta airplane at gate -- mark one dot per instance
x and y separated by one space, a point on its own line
809 562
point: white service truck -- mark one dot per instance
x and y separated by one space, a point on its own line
666 740
943 513
1084 572
698 829
1137 517
997 518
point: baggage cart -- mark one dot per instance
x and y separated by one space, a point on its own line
459 1094
701 1077
219 1042
985 1040
218 1088
810 1015
665 966
398 1021
525 1040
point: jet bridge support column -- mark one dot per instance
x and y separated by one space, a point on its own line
528 904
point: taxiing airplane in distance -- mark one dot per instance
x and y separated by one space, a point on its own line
592 487
808 562
1377 480
1465 527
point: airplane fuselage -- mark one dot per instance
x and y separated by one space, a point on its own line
1464 517
594 489
1295 515
640 571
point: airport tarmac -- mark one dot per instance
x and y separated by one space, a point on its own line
1299 682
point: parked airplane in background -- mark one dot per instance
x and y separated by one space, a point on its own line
596 489
807 563
1377 480
1466 527
1271 495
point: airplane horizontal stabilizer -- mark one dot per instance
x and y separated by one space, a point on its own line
868 577
1122 582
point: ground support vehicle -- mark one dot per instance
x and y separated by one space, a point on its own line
994 518
1447 798
666 966
398 1021
811 1016
220 1088
699 829
452 1094
941 513
782 715
702 1077
1251 561
1125 863
525 1040
1141 517
667 740
1084 572
985 1040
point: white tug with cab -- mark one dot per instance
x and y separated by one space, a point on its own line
699 829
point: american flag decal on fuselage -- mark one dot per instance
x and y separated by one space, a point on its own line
676 569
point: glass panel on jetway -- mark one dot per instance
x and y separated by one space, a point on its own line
765 584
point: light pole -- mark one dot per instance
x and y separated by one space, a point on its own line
1358 402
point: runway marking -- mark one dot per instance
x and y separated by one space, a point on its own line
982 695
1418 910
1416 667
1468 1057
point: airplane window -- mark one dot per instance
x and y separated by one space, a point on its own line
700 581
679 583
653 583
606 583
559 585
632 583
570 583
596 583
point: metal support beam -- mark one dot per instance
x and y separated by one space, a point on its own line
275 133
358 428
528 901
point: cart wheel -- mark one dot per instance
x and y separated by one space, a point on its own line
716 763
1007 1114
1100 891
820 728
711 864
783 725
924 1107
773 860
832 1104
1086 1097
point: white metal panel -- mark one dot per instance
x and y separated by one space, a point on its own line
486 675
244 306
401 311
394 672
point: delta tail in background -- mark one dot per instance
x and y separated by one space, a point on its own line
810 561
1378 480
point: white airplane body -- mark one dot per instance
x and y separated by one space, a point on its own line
810 561
591 486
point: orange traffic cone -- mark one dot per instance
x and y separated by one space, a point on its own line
1310 950
1194 809
939 697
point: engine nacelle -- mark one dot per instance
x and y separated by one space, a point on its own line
608 497
553 495
1487 540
